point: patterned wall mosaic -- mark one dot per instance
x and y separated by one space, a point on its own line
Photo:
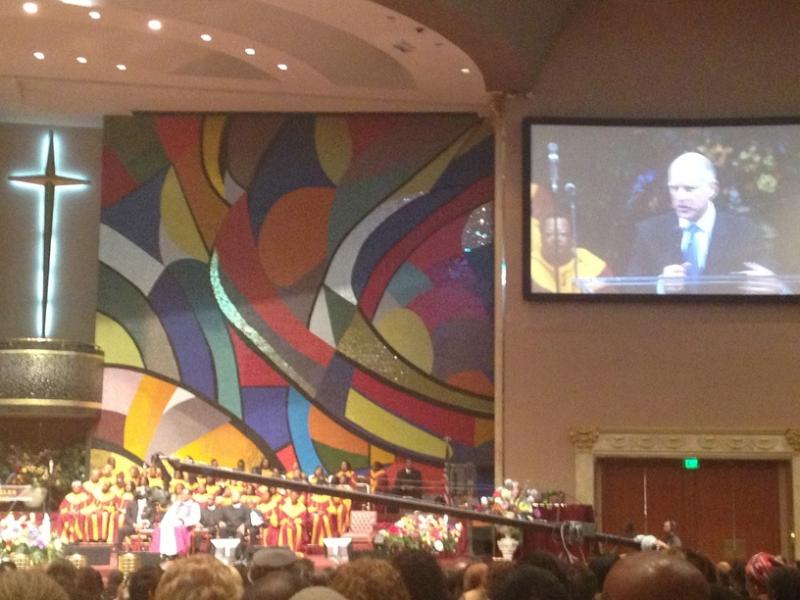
308 288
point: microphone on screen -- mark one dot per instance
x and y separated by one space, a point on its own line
552 159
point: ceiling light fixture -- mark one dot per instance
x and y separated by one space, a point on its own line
122 67
154 24
250 51
31 8
81 3
465 71
81 59
283 66
206 37
38 55
94 14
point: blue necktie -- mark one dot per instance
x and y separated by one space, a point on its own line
691 254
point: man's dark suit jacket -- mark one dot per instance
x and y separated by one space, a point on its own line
734 241
234 517
408 483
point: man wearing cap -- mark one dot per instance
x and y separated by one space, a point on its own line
269 560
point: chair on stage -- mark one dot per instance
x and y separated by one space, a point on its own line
362 529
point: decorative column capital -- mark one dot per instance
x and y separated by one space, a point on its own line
793 439
584 438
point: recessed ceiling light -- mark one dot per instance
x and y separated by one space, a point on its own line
122 67
206 37
154 24
82 3
31 8
38 55
94 14
250 51
465 71
283 66
81 59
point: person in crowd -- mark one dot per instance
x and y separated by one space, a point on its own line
527 582
757 572
71 518
88 584
199 576
581 582
64 574
270 560
671 538
600 565
240 466
30 585
408 481
696 238
555 264
115 579
319 511
318 592
654 576
548 562
784 584
292 522
474 581
421 574
234 520
318 477
172 535
278 585
143 582
346 475
378 479
369 579
138 516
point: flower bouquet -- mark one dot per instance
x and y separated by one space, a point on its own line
23 537
513 501
422 531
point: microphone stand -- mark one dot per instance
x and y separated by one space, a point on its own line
570 189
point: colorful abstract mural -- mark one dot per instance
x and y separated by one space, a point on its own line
310 288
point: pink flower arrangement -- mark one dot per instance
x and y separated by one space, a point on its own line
422 531
24 536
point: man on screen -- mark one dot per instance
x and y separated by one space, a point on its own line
554 266
696 239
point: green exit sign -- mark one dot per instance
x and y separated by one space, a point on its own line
691 463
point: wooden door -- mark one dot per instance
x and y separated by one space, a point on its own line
726 508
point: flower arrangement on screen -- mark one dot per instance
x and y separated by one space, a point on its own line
24 536
422 531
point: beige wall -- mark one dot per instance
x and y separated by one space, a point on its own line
625 365
73 286
634 365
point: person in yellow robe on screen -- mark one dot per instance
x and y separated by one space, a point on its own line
554 266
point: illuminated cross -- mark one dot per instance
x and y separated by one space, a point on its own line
50 181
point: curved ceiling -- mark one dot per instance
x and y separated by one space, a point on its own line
584 57
355 54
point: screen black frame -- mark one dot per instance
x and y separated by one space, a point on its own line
529 295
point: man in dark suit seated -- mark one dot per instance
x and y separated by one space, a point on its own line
696 239
208 528
138 516
234 520
408 481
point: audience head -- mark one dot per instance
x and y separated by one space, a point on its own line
143 582
548 562
654 576
270 560
784 584
600 565
527 582
318 593
475 576
277 585
422 575
89 584
30 585
199 577
369 579
757 572
64 573
581 583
